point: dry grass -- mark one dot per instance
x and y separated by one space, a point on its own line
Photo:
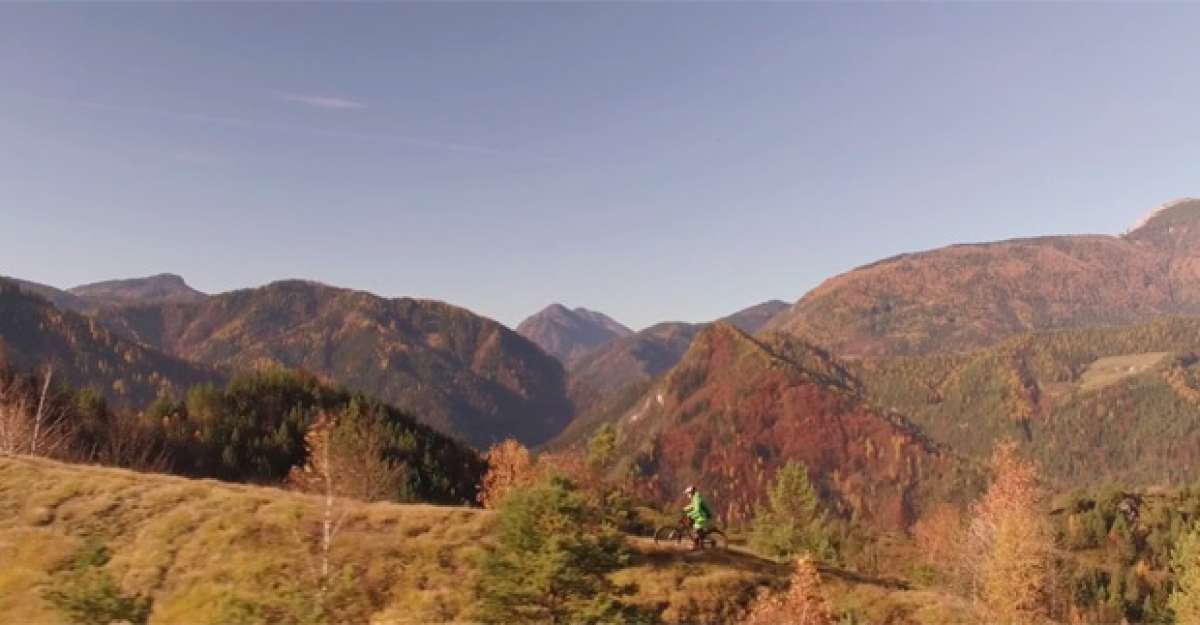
200 548
1107 371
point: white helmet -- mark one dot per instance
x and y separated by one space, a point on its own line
689 490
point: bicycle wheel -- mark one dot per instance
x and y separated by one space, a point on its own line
714 539
666 534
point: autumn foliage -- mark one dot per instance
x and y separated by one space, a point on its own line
1010 542
801 604
510 465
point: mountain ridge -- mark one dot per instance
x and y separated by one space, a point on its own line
970 295
461 373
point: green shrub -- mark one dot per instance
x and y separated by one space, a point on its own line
87 594
551 559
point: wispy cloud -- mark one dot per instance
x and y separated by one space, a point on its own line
323 102
382 136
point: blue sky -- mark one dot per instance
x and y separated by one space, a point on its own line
652 161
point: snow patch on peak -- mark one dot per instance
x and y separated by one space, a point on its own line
1157 211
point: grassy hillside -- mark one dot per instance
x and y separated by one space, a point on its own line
211 552
1091 405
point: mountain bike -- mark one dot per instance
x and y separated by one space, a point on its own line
711 538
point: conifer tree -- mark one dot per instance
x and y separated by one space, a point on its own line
792 522
551 559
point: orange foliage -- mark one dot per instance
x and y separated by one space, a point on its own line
939 535
509 466
800 604
1009 542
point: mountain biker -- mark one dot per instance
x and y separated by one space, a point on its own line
699 512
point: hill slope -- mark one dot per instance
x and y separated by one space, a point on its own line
33 334
967 296
754 318
570 334
737 408
209 552
608 371
461 373
61 299
1089 404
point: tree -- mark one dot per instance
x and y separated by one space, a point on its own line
792 522
1185 564
939 535
509 466
801 604
550 561
32 421
346 458
602 448
1010 542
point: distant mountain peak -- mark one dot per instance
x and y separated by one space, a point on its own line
570 334
156 288
1184 207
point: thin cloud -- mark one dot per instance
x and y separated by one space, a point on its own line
323 102
224 120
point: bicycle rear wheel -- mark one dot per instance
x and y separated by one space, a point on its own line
666 534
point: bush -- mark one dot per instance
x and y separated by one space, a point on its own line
551 560
87 594
792 521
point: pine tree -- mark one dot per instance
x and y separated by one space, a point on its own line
551 559
792 522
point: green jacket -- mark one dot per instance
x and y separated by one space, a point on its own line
698 511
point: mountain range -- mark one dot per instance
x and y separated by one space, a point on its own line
887 381
34 335
459 372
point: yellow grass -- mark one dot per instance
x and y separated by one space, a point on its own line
1110 370
201 548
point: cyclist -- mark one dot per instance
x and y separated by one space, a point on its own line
700 514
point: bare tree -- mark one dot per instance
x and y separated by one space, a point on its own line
39 429
15 427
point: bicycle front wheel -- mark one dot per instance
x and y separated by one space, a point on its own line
714 539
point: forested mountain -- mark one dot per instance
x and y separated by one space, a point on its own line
752 319
163 287
35 334
461 373
736 408
967 296
569 335
1090 405
60 298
